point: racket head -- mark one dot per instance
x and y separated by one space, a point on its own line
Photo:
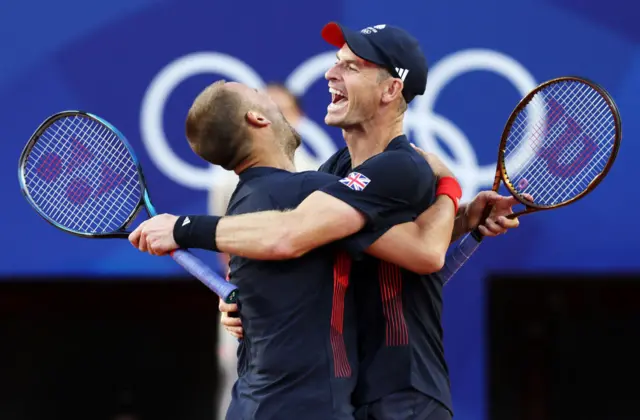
559 143
81 175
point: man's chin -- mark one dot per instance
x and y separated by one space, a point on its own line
333 121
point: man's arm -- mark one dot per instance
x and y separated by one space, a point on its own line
422 246
276 235
382 191
266 235
419 246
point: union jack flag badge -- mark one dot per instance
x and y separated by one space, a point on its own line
356 181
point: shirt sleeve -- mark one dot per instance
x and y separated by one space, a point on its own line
355 244
386 188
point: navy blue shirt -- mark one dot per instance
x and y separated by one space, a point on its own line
298 358
399 312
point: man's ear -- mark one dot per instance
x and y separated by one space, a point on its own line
257 119
392 90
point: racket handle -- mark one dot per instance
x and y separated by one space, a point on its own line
227 291
459 256
467 246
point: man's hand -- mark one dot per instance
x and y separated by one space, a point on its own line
155 235
232 324
497 222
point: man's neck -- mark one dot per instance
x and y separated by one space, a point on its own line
270 160
366 140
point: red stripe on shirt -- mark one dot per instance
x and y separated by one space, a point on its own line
341 271
396 332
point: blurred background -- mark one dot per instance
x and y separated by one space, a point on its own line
541 323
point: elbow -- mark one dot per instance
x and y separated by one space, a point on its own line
430 262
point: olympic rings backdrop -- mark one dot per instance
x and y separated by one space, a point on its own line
140 63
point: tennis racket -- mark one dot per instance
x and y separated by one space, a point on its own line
557 146
81 175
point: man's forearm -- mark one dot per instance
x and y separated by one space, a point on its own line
436 224
259 236
460 226
275 235
419 246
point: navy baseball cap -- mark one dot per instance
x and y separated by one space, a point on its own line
387 46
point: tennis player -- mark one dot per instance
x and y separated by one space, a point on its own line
224 184
298 357
403 372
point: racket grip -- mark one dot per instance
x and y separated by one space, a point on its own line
227 291
459 256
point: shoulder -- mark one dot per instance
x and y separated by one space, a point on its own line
407 160
398 173
392 160
310 178
292 189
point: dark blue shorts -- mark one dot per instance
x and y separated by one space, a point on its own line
404 405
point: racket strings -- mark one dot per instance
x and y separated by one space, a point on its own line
101 220
566 157
75 157
539 128
52 203
581 118
76 190
579 155
559 142
575 160
81 176
547 182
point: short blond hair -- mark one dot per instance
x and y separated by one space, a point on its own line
216 127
